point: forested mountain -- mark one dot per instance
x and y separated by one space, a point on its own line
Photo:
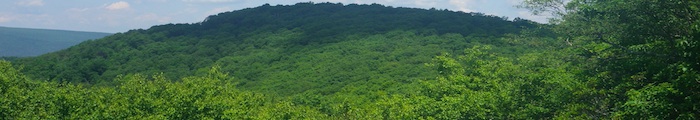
280 46
335 61
24 42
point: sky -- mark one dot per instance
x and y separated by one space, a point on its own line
115 16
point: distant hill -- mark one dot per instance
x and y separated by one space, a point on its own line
636 59
270 47
23 42
341 61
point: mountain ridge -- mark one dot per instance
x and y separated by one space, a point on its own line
357 62
601 60
24 42
291 45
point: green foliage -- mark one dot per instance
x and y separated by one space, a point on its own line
321 47
485 83
9 58
534 85
609 59
489 82
139 97
644 54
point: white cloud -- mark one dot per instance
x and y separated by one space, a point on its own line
31 3
463 5
210 1
118 6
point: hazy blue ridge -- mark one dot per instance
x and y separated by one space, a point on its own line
24 42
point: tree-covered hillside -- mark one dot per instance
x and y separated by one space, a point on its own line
609 59
644 54
284 49
23 42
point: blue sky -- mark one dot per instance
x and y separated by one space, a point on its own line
122 15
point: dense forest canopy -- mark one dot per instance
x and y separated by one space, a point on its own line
282 45
644 53
598 60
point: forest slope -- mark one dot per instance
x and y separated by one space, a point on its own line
609 59
284 49
24 42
